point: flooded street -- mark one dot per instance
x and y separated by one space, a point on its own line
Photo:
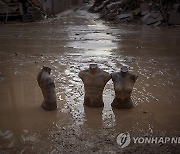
68 44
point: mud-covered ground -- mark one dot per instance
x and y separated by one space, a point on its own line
68 44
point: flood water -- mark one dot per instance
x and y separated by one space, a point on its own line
68 44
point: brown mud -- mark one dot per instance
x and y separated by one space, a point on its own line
68 44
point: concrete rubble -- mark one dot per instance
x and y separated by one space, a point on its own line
147 12
27 10
34 10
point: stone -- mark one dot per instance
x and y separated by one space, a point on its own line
150 21
144 8
174 18
157 23
136 12
145 17
125 15
152 17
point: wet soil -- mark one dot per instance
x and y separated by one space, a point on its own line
68 44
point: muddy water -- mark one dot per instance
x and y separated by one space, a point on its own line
69 44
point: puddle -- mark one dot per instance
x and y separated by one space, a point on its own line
69 45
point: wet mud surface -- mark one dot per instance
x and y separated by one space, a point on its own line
68 44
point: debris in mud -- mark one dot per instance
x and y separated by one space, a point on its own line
27 10
33 10
139 47
174 18
129 59
80 139
146 12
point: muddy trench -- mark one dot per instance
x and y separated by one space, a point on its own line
68 44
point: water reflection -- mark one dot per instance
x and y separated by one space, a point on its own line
7 139
22 119
93 39
93 117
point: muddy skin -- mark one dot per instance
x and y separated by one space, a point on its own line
123 86
46 83
94 80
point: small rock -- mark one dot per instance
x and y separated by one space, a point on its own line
96 32
94 149
139 47
16 35
144 112
1 77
